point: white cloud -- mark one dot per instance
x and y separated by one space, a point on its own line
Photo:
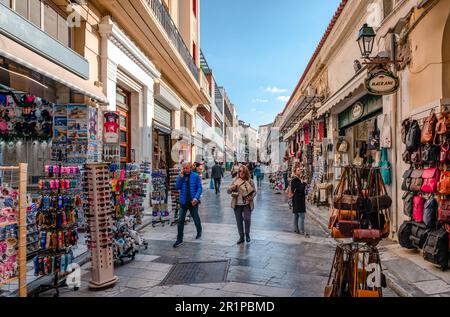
283 98
275 90
260 101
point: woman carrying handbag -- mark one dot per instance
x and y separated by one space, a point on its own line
243 192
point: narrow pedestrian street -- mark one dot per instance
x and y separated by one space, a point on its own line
277 263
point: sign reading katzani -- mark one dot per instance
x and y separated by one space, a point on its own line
382 82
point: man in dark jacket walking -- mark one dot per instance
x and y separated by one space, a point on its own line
217 174
190 186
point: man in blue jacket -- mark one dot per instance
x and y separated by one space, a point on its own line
190 186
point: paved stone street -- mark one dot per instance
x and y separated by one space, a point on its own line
276 263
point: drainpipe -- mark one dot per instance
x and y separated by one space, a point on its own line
396 142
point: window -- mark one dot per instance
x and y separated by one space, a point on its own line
186 121
45 17
194 7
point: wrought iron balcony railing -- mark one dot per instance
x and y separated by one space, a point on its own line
174 35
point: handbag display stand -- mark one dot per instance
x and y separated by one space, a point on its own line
99 213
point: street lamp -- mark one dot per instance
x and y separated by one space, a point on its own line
366 39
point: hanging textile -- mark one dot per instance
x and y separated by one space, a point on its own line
321 130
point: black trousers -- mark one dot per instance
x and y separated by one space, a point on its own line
243 216
217 183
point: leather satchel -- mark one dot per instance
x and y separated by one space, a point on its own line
338 215
345 228
430 153
416 181
441 126
430 180
444 183
406 156
429 128
444 211
346 202
366 235
406 180
444 154
381 202
416 156
413 137
408 204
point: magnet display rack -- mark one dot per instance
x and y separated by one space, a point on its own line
21 234
57 220
159 198
100 215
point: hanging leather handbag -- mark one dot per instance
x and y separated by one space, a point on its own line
416 156
444 211
408 204
380 202
406 156
418 207
407 180
345 228
405 128
430 180
429 128
441 126
444 154
416 181
413 136
444 183
430 153
430 212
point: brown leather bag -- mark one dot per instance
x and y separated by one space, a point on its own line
366 236
429 128
444 183
405 128
441 126
416 181
444 211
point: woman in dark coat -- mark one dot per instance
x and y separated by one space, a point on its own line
298 187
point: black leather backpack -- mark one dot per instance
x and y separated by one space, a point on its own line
413 136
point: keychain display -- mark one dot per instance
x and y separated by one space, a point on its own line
159 198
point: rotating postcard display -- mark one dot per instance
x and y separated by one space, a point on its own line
75 132
111 148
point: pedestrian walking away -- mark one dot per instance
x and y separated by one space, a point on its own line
243 192
259 175
298 188
190 186
217 174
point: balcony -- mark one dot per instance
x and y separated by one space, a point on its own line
169 26
150 26
204 86
203 127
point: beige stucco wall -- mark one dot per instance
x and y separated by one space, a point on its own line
426 69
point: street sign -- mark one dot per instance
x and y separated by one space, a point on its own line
382 82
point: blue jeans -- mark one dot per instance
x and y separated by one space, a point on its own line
182 219
300 216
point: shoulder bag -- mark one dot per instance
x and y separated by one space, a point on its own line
444 183
386 135
413 136
408 204
444 211
429 128
416 181
407 180
405 128
430 180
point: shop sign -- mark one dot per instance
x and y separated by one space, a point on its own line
382 82
357 110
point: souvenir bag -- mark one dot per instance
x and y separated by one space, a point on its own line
385 167
374 137
386 135
429 128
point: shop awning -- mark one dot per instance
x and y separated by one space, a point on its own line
298 125
73 82
305 105
354 86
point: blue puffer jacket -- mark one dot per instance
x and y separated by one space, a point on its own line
196 187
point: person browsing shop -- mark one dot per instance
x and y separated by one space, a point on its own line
190 186
243 192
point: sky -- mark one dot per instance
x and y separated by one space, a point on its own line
258 49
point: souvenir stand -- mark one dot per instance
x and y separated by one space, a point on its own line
57 219
13 227
159 198
426 186
359 221
127 196
100 215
